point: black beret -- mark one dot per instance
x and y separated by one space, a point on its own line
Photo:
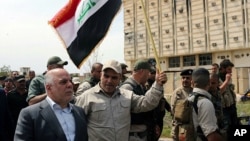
152 61
186 72
123 66
19 78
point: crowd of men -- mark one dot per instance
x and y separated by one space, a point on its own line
112 106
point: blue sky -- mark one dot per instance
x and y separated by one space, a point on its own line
26 39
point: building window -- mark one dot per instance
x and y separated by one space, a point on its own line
174 62
128 37
205 59
189 60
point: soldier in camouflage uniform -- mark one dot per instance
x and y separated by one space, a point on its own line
216 99
160 111
179 94
124 71
143 125
228 94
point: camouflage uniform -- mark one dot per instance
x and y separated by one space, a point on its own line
179 93
229 108
218 103
229 96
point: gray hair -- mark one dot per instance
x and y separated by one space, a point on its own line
49 77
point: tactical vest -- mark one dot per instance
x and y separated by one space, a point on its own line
185 130
218 105
228 96
137 118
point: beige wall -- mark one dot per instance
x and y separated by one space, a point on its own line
178 32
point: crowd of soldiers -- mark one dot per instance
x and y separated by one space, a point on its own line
220 90
111 105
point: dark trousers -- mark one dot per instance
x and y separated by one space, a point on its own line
230 119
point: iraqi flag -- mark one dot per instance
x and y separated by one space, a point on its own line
82 25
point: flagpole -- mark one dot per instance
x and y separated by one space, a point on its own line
151 37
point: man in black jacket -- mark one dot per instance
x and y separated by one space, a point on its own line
6 125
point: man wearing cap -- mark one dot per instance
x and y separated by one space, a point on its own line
141 123
92 80
36 92
179 94
108 107
17 97
124 71
76 82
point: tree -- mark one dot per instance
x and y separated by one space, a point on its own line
5 70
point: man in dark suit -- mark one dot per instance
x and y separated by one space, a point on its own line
54 118
6 125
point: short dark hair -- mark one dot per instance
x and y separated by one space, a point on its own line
226 63
200 77
95 65
215 64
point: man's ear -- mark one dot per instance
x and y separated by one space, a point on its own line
48 87
192 83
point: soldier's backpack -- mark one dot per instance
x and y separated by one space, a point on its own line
183 115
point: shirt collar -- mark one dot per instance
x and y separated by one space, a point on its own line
202 91
54 105
99 90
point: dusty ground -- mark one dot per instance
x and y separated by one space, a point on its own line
165 139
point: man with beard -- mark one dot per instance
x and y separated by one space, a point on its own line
109 107
228 95
179 94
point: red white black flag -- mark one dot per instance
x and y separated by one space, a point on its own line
82 25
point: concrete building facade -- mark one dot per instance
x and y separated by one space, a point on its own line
189 34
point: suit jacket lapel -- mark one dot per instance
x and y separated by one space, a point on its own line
80 124
50 117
